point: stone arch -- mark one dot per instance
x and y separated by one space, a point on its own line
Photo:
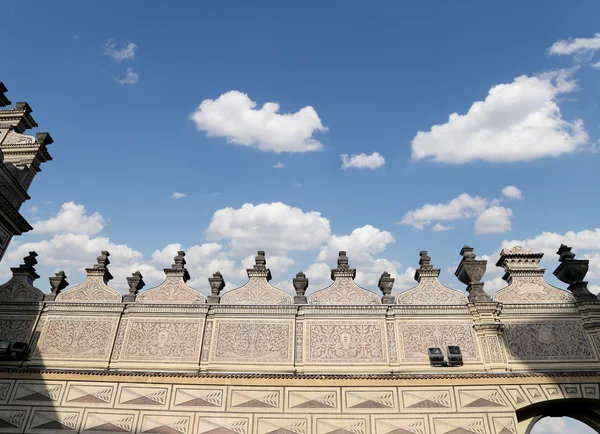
586 411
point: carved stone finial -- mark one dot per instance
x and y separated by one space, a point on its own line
425 268
27 268
300 283
385 284
470 271
178 267
179 261
101 267
520 262
342 262
424 260
217 283
57 283
572 272
102 260
260 262
136 283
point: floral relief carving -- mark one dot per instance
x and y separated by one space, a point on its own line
78 338
391 335
18 289
172 290
93 289
495 350
418 337
547 340
206 340
33 349
162 339
532 289
430 291
299 341
16 329
344 291
256 341
119 340
359 342
256 291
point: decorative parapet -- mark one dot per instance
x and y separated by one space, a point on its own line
257 290
343 290
57 283
429 290
470 271
572 272
526 279
20 287
174 288
94 289
217 283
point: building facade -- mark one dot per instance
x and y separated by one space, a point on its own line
342 360
20 159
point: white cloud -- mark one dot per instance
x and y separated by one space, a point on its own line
297 184
126 52
438 227
275 226
71 218
130 77
561 425
178 195
512 192
234 116
596 65
363 161
278 166
517 121
549 242
33 209
579 47
461 207
493 220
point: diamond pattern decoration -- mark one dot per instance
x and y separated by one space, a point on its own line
341 426
165 424
516 396
474 398
400 426
504 425
198 397
143 396
12 420
51 420
420 399
4 389
90 394
312 399
255 398
370 399
222 425
110 422
38 392
459 426
282 426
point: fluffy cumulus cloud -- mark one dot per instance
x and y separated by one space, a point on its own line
438 227
512 192
581 48
275 226
494 220
561 425
234 116
119 53
129 77
517 121
363 161
461 207
71 218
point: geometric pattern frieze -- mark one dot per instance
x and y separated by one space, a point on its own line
109 421
198 398
552 391
306 400
89 394
534 392
426 400
166 423
396 425
590 391
504 425
483 398
417 337
255 399
143 396
291 425
571 390
223 424
38 393
54 421
374 400
516 396
13 419
5 388
327 425
459 425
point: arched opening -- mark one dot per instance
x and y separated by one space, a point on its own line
569 416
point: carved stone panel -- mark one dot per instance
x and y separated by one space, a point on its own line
430 291
227 423
472 423
417 337
547 340
102 421
253 341
307 400
288 425
426 400
329 425
77 338
136 396
38 393
92 289
13 419
83 394
344 291
400 425
165 422
50 421
162 340
346 342
197 398
532 290
370 400
17 289
172 290
16 329
256 291
256 399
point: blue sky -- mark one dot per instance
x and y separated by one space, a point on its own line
349 79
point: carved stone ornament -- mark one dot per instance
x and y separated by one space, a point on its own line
94 288
174 288
386 284
526 279
58 282
470 272
14 138
343 290
257 290
217 283
430 291
300 283
572 271
20 286
135 283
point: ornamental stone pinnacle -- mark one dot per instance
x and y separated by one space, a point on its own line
135 283
425 268
300 283
343 269
217 283
101 267
260 267
470 272
57 283
27 269
178 268
385 284
572 271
